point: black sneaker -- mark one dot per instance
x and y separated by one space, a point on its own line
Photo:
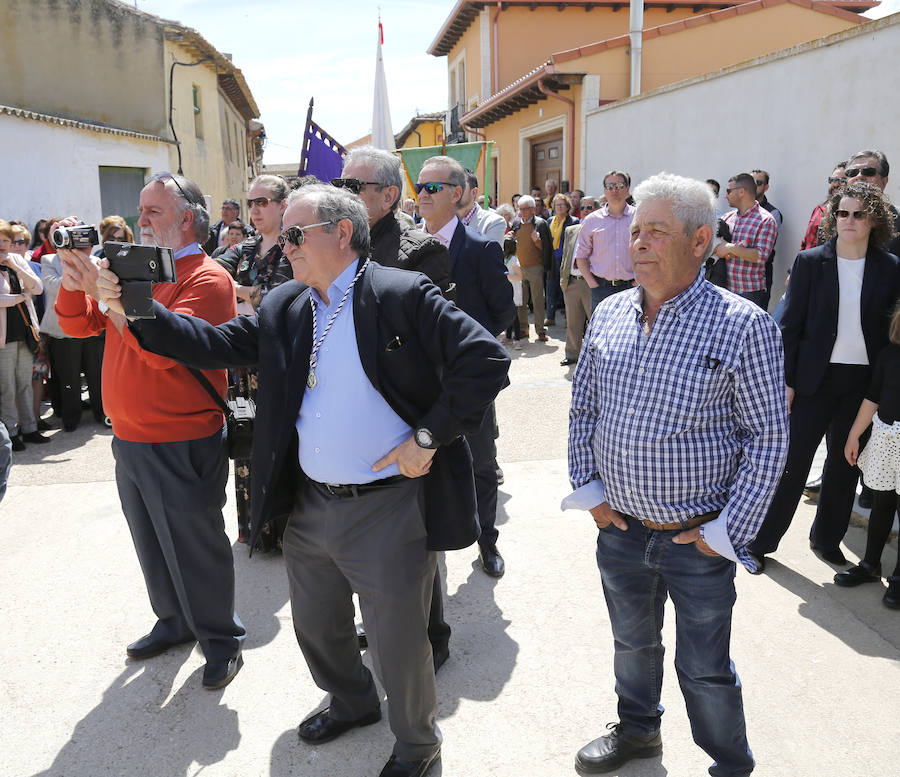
611 751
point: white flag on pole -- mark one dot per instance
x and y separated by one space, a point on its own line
382 133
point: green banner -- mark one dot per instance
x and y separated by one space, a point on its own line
467 154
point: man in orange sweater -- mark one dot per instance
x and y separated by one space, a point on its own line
169 445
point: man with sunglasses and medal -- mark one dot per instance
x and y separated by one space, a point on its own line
483 292
169 445
376 176
368 380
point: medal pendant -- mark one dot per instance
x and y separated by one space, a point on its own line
311 379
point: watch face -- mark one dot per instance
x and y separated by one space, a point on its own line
423 437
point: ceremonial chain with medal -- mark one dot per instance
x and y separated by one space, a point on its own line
311 380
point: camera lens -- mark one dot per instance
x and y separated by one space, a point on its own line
60 237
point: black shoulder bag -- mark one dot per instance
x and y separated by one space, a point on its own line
239 416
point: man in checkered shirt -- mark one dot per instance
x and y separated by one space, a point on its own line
753 234
678 435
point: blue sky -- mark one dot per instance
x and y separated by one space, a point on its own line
291 50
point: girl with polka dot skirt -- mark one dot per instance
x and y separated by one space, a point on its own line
880 465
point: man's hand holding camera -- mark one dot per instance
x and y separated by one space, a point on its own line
79 269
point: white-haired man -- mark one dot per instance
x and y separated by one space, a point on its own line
168 442
677 440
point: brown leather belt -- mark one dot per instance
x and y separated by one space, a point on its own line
690 523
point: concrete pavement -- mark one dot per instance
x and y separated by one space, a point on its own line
529 679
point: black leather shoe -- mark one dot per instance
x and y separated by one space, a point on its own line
219 674
396 767
361 637
17 444
861 573
813 487
833 556
567 361
149 646
759 561
492 561
321 727
500 477
892 595
35 437
44 426
440 654
614 749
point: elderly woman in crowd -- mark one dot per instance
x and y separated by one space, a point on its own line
835 322
257 265
18 342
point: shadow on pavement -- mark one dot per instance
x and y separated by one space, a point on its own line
818 605
165 736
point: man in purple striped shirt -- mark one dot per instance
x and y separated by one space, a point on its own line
601 253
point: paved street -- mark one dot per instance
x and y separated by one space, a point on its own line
529 679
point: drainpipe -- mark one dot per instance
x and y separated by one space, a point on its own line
570 144
495 50
637 35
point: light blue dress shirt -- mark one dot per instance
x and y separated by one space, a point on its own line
344 425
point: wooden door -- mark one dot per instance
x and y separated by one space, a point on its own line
546 158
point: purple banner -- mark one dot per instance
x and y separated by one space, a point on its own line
323 160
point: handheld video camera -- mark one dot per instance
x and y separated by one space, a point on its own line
81 237
138 268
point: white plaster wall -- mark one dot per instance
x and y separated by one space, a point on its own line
795 115
52 170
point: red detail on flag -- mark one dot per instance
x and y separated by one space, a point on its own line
381 32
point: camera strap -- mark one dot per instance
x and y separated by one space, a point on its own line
203 381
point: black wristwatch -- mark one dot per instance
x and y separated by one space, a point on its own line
424 438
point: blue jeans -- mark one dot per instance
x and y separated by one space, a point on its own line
639 569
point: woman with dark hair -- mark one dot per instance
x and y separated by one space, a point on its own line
562 218
39 233
835 322
257 265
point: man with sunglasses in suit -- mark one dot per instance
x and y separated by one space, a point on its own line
376 176
483 292
367 379
872 166
169 445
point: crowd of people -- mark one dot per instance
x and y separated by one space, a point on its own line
695 414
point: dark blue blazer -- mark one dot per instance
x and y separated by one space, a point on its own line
443 375
810 319
479 273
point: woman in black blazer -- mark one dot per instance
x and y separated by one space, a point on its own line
836 317
562 220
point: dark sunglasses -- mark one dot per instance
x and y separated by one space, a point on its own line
858 215
615 186
432 187
353 184
866 172
760 183
296 235
262 202
834 179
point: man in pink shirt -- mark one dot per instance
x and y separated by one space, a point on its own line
603 252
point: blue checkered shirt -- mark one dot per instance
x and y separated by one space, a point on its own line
689 420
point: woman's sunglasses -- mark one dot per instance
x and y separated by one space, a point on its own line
858 215
262 202
296 235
